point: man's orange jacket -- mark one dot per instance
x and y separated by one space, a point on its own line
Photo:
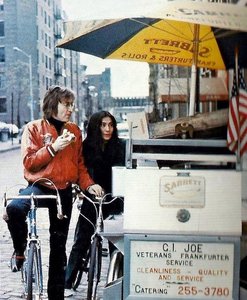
63 168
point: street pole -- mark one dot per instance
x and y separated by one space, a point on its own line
12 117
31 87
30 80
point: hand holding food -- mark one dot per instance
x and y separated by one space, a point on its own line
68 135
63 140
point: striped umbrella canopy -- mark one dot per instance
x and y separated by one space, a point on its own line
141 30
159 41
145 40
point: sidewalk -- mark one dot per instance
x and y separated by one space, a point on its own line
11 144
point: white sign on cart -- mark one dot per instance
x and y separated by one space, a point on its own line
181 269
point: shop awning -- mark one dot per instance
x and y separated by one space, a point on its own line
177 89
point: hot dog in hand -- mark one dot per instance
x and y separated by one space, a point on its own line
69 136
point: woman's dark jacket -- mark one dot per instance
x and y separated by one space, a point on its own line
100 161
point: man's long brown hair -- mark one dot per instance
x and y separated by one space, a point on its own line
53 96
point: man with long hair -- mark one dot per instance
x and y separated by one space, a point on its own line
51 148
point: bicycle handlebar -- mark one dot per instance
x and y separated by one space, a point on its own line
32 196
95 200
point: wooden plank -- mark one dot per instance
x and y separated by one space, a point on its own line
199 122
185 157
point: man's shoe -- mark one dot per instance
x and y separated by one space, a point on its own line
68 293
16 261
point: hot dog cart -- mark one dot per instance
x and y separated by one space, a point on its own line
182 220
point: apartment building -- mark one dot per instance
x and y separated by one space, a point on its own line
29 59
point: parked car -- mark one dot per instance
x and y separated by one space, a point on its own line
7 131
123 130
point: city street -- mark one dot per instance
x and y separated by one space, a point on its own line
11 286
10 283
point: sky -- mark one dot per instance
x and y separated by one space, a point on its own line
128 79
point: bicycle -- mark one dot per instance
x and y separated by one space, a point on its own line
31 271
91 265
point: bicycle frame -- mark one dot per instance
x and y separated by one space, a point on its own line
33 249
92 264
31 272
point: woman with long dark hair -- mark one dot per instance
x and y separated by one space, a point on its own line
102 149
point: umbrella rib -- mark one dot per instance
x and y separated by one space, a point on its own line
222 33
163 30
205 39
180 32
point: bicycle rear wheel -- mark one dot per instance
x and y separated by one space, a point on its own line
33 273
94 271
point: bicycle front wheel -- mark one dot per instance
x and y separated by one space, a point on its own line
83 269
33 276
94 271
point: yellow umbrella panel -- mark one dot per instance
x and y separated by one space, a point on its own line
172 42
148 40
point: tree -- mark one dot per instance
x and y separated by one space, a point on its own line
18 85
154 116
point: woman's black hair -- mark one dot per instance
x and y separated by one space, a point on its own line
100 155
94 135
94 143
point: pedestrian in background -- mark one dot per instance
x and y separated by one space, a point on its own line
22 130
102 149
85 123
49 153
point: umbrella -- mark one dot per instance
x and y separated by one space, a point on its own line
145 40
160 41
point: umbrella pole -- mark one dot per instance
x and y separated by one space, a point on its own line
192 91
193 71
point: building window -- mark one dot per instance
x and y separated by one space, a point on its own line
3 105
2 80
1 28
37 9
1 5
46 62
47 83
45 18
49 21
46 40
2 54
